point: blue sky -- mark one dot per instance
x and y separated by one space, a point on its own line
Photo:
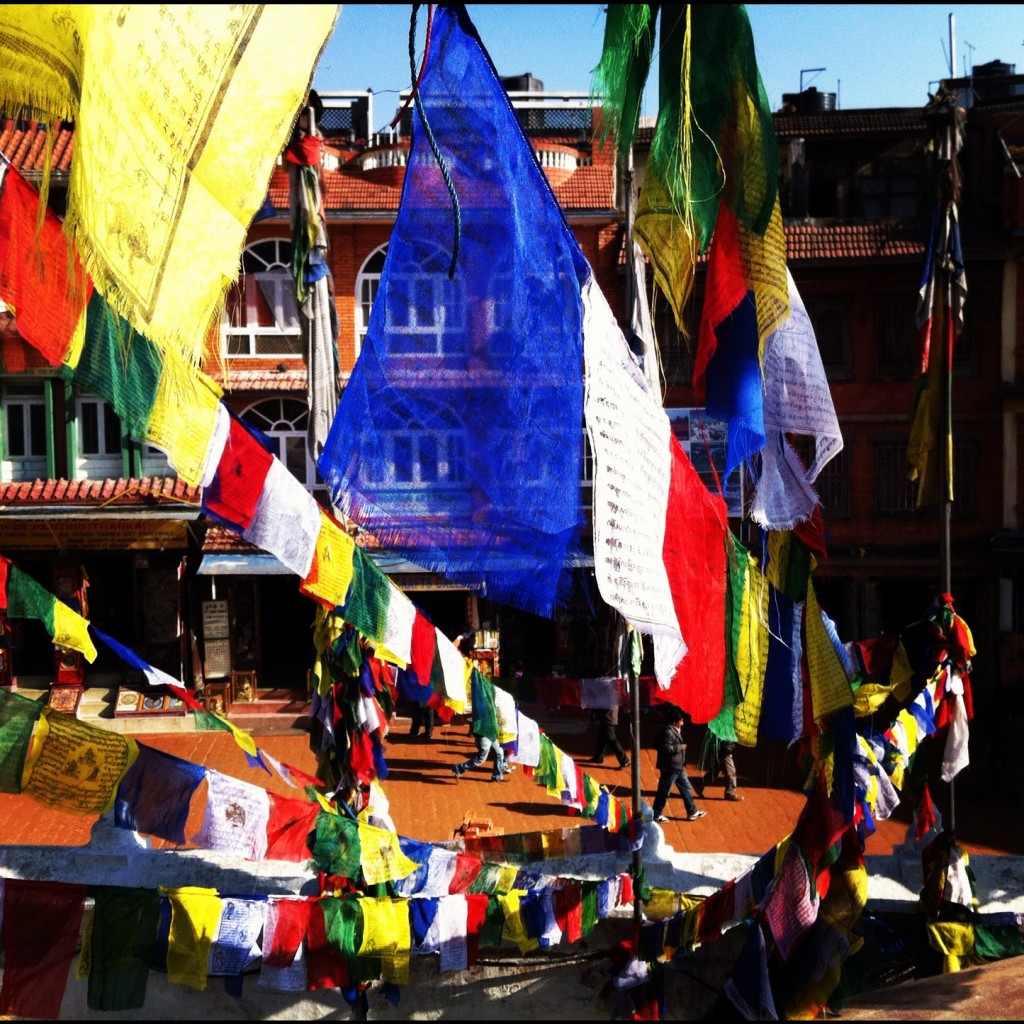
873 55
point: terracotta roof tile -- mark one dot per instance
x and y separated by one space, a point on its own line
853 241
24 144
883 120
589 188
142 492
260 380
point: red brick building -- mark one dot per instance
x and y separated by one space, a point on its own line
857 195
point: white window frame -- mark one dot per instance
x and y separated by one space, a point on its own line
22 398
107 463
266 267
285 427
367 285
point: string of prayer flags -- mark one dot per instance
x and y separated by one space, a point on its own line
25 598
214 127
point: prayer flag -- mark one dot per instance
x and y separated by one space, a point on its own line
41 277
797 400
659 535
75 766
236 817
18 717
41 926
470 470
29 600
159 206
238 479
155 795
123 935
195 919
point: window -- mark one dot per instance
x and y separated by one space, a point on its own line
24 431
830 318
897 351
895 493
155 462
367 283
833 486
99 454
283 421
262 313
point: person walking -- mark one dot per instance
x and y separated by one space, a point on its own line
671 765
726 766
485 746
607 719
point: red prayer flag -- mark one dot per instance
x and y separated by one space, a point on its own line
238 482
40 275
476 915
325 968
42 922
287 923
695 558
288 828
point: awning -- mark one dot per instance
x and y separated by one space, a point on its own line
257 563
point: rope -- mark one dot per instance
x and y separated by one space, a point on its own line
433 142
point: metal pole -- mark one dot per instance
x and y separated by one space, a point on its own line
638 857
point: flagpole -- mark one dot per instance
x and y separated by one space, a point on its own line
631 675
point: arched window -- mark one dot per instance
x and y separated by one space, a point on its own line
261 312
367 283
283 421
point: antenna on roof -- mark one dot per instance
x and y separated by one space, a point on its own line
805 71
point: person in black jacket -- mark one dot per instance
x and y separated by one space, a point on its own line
671 765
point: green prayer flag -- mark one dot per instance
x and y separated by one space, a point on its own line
121 365
369 595
18 717
27 599
124 930
336 848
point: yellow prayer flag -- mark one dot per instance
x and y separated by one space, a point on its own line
664 903
330 574
381 856
954 939
183 418
177 127
386 933
75 766
515 926
752 655
195 917
71 630
830 685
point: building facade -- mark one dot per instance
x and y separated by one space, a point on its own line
857 193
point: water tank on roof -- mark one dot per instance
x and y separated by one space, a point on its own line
993 69
810 101
522 83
